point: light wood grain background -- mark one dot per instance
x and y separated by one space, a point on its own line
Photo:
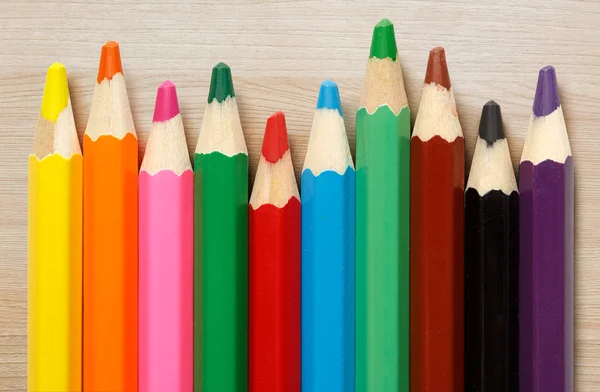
279 52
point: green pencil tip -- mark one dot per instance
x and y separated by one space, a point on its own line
383 44
385 22
221 83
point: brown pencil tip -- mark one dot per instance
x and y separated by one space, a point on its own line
437 69
110 61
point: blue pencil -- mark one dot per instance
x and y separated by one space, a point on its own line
328 226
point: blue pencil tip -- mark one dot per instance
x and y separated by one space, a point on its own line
546 94
329 96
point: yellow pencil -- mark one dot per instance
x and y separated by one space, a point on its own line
55 197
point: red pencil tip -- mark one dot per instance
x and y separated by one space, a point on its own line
110 61
275 142
437 69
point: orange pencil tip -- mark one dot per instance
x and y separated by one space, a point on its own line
275 142
110 61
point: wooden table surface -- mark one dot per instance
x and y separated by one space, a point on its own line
279 52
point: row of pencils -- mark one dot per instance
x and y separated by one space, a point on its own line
390 277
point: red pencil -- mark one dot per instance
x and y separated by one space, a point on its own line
436 236
274 267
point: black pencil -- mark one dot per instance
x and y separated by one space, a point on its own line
491 262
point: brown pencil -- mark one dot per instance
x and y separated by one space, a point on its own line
437 230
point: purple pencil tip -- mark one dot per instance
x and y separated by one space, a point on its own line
546 95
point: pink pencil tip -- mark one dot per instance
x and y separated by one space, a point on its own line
166 106
166 83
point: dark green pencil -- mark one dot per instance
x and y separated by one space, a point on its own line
221 243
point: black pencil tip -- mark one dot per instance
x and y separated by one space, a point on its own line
490 125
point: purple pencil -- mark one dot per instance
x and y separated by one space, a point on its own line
546 270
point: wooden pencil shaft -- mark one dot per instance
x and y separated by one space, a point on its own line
328 280
491 291
166 281
54 274
437 279
382 243
274 303
110 272
546 218
221 271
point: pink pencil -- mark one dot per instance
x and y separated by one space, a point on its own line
166 253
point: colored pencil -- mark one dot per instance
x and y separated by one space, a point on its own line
382 221
221 243
166 251
274 268
437 232
55 220
546 239
328 208
110 234
491 262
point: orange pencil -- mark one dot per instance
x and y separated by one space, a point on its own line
110 239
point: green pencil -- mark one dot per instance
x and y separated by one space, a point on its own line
382 221
221 243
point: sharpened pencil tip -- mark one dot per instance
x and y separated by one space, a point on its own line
110 61
275 142
329 96
437 69
546 98
221 83
167 84
56 92
383 43
166 106
490 125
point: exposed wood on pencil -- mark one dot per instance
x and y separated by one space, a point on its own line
383 82
166 143
55 133
110 113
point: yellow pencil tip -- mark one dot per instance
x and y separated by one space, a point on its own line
56 92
